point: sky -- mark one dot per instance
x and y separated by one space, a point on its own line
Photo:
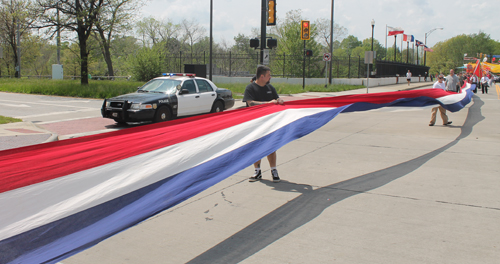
415 17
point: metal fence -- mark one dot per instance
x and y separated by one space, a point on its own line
284 65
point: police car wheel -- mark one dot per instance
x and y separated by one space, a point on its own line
217 107
162 114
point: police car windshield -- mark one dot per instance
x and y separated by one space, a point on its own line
162 86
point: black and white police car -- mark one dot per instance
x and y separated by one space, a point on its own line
167 97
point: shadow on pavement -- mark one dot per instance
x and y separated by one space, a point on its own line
311 203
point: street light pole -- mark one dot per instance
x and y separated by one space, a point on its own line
425 42
211 40
373 27
331 47
371 65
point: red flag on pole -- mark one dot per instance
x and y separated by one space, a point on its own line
478 71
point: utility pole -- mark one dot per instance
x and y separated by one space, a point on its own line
58 37
331 47
18 67
211 26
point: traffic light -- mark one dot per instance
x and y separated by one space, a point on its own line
305 30
271 12
254 43
272 43
309 53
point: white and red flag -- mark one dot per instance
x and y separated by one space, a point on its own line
394 31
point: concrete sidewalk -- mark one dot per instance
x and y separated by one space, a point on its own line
15 135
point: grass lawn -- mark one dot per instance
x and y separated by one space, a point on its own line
107 89
5 120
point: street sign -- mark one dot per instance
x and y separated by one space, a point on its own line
327 57
265 60
369 55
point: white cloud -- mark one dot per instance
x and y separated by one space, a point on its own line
416 17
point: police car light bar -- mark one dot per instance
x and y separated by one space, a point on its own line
179 74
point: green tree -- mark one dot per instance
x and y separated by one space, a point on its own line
78 16
113 18
16 17
147 63
287 33
449 54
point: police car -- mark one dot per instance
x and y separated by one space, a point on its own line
167 97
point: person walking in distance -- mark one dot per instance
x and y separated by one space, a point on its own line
474 81
439 84
484 83
408 77
452 82
262 92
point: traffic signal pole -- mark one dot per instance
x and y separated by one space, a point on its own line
263 23
304 68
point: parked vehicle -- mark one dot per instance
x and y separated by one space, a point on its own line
168 97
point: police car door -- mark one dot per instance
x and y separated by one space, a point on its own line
187 101
207 96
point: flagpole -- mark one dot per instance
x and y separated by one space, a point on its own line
407 50
402 49
385 41
395 48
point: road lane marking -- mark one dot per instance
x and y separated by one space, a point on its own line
38 103
15 105
59 113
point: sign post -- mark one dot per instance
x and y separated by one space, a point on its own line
369 55
326 59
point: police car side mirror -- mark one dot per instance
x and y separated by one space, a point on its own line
138 88
184 91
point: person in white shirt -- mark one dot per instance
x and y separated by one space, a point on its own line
439 84
484 83
408 77
473 80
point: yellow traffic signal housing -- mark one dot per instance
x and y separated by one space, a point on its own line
305 30
271 12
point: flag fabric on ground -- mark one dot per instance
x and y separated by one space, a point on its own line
394 31
59 198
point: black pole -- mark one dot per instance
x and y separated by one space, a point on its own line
373 27
284 61
369 65
211 30
417 54
263 16
304 68
331 46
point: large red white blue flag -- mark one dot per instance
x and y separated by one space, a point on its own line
59 198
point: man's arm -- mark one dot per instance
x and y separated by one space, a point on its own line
275 101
